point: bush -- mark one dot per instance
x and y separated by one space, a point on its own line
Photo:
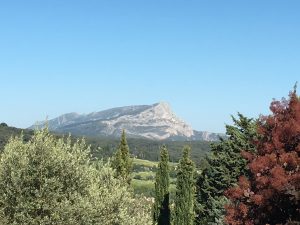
51 181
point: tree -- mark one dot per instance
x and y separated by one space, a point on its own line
226 165
271 193
51 181
161 214
122 162
185 190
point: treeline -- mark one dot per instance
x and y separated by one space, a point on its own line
105 147
149 149
251 178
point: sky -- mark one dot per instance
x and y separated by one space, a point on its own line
209 59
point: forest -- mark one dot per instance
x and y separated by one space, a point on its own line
252 177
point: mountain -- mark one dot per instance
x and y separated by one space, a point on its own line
156 122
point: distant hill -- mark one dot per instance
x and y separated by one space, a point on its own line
149 149
6 132
106 146
155 122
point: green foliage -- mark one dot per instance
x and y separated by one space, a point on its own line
161 209
145 163
226 164
6 132
122 163
52 181
144 176
149 149
144 148
185 191
141 148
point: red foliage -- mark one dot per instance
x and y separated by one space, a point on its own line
257 199
247 155
271 193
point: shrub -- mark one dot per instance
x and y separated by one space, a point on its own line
50 181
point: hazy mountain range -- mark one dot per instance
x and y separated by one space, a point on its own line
157 122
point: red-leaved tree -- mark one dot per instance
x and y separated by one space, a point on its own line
271 194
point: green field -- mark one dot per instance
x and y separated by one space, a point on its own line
144 176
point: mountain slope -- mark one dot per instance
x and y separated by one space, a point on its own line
156 122
6 132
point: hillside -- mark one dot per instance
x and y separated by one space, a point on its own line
155 122
141 148
7 132
149 149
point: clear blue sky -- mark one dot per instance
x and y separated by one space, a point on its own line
208 59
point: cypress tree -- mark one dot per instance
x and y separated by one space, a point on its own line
161 214
122 162
185 190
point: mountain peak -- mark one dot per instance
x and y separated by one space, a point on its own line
162 104
156 121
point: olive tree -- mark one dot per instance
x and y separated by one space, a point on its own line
49 180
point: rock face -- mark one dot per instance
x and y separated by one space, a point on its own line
155 121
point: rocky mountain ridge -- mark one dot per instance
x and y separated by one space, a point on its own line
157 122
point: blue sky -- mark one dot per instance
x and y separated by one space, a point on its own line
208 59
